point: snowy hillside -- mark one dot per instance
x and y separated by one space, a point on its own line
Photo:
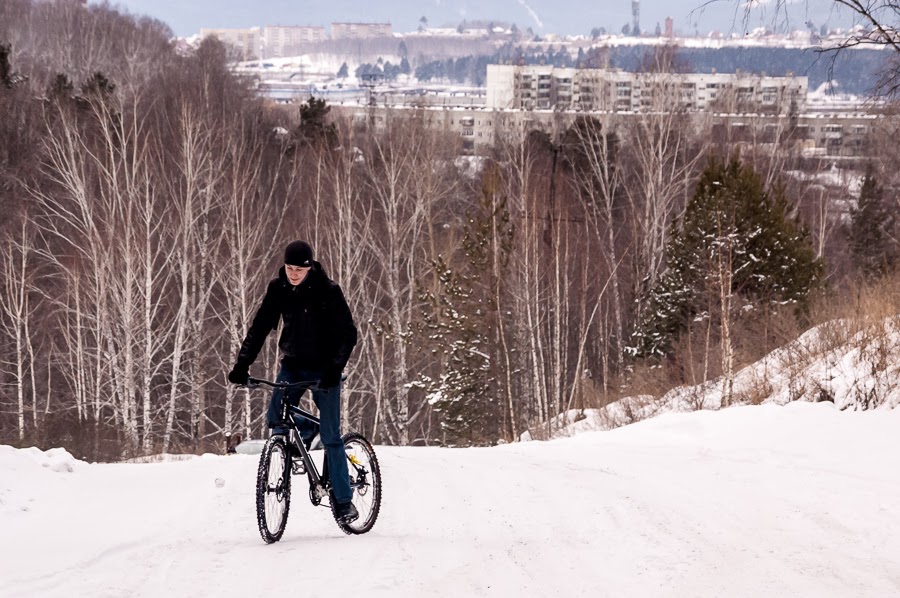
851 363
751 501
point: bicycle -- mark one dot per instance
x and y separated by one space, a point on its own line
285 454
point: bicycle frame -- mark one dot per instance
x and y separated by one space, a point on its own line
294 439
288 409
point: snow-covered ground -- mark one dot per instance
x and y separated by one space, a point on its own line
792 501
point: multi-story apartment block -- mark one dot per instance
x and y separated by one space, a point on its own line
840 135
281 41
247 41
537 87
359 30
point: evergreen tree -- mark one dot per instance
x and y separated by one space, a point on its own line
872 225
460 395
5 66
772 260
61 87
461 323
314 125
343 72
98 83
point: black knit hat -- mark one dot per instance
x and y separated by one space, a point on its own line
298 253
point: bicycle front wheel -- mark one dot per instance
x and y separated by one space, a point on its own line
365 480
273 489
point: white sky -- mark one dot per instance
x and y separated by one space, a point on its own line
544 16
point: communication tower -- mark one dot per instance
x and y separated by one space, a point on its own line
636 16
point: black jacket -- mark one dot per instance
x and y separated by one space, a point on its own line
318 333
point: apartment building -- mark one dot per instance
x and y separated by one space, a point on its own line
839 135
247 41
538 87
279 41
359 30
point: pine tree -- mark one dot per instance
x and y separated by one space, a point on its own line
61 87
730 215
462 322
314 125
343 72
460 395
872 223
5 66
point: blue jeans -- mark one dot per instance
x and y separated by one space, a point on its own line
328 400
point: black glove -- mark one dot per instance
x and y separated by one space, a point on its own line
239 374
330 378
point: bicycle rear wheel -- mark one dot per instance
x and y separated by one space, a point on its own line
365 480
273 489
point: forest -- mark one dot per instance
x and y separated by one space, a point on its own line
148 195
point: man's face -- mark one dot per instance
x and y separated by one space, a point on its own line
295 274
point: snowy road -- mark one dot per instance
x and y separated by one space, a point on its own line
752 501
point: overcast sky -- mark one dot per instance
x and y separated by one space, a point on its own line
186 17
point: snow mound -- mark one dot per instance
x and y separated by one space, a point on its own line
578 421
58 460
853 364
28 474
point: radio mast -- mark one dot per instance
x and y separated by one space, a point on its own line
636 16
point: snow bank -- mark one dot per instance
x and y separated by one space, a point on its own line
855 366
27 474
57 460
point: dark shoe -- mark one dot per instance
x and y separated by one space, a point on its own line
345 512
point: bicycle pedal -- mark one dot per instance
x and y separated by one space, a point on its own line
298 467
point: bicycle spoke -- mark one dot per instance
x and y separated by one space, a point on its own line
273 490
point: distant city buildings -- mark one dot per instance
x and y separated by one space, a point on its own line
359 30
247 41
280 41
277 41
547 87
670 28
836 135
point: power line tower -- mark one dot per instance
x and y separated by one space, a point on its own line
636 16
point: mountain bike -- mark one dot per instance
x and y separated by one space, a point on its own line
285 454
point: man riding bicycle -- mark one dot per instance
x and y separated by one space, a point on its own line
316 341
